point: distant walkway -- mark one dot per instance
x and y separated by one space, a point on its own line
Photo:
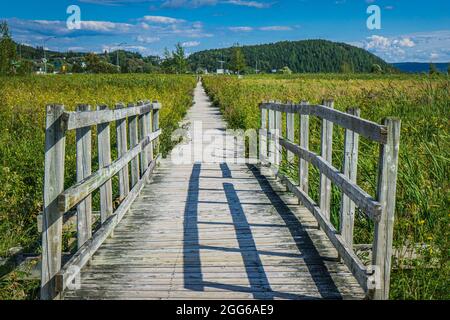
216 231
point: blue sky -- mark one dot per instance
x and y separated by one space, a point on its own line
411 30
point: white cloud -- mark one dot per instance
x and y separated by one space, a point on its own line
146 39
190 44
275 28
240 29
421 46
162 20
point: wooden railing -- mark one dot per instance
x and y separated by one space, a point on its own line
142 121
373 279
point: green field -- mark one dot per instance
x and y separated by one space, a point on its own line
423 104
422 216
22 130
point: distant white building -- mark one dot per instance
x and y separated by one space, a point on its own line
220 71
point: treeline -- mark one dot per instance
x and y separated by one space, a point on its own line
298 56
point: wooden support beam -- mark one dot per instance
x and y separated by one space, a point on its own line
350 168
290 133
304 143
104 160
122 149
134 141
55 142
263 137
326 153
386 191
143 132
84 170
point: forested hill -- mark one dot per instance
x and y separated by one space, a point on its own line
299 56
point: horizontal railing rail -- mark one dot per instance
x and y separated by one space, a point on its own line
374 279
137 126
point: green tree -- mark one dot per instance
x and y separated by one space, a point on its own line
376 68
179 59
237 59
8 54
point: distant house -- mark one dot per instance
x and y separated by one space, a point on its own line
274 70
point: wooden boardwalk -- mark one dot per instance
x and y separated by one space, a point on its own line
216 231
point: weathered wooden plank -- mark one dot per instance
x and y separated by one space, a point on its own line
155 124
386 192
304 143
84 170
347 210
122 149
326 149
365 128
279 133
78 192
363 200
76 120
272 141
290 133
134 140
347 254
143 132
55 139
73 267
104 160
263 137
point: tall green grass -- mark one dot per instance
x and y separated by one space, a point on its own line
422 211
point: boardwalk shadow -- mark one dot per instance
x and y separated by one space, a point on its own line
259 284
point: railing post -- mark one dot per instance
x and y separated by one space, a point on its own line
290 135
263 137
304 143
143 132
84 170
278 135
122 148
55 142
134 139
272 145
104 160
386 193
150 124
155 123
350 169
326 153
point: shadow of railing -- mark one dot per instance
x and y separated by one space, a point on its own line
259 284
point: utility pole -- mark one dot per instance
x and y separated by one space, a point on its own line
45 56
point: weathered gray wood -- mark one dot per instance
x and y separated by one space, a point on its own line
272 140
290 133
326 149
365 128
122 149
104 161
76 120
263 137
78 192
279 132
386 192
72 268
150 148
84 170
224 231
143 132
55 139
363 200
304 143
347 254
350 168
134 140
155 124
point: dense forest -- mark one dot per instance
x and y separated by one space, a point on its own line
298 56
